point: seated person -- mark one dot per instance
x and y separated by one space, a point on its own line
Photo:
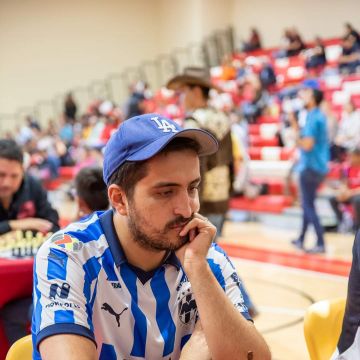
351 33
350 58
292 44
91 191
348 133
143 279
23 206
349 192
23 201
315 56
254 42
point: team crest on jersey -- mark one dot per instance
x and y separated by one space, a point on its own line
67 242
187 308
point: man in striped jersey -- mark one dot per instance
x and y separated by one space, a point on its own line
143 280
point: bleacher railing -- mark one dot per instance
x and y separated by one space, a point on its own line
115 87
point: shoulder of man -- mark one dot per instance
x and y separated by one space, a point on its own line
212 120
80 240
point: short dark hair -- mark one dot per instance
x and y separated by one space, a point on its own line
318 96
131 172
91 188
10 150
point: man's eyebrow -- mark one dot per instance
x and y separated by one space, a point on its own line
165 184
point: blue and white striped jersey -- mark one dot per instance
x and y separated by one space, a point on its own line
84 285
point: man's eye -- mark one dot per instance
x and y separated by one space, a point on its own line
166 193
194 189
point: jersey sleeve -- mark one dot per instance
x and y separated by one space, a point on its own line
228 278
63 292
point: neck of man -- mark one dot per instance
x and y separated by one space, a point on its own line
136 255
6 202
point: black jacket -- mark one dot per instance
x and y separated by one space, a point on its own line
30 201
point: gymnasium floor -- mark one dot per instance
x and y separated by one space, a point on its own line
282 281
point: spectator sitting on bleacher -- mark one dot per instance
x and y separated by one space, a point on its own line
349 192
254 42
315 57
348 134
259 102
292 44
352 34
91 191
349 61
136 104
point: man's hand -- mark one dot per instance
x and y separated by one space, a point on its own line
344 195
36 224
201 233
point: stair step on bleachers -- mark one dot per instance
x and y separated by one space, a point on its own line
262 203
270 153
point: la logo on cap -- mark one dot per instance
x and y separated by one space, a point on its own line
164 125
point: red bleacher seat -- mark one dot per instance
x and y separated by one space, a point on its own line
273 153
265 119
256 140
52 185
67 172
275 186
263 203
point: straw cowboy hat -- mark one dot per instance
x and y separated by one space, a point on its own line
195 76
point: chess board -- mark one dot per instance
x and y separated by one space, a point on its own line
21 244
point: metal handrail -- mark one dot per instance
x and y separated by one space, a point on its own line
207 53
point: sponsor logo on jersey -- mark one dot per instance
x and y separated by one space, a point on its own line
59 291
67 242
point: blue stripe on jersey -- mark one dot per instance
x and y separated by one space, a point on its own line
91 269
38 307
216 270
108 265
221 251
184 340
92 232
57 261
140 329
107 352
64 317
163 315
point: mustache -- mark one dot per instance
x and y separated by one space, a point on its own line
178 221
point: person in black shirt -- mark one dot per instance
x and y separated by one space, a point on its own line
23 206
352 34
23 200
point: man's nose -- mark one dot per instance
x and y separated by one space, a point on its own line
184 206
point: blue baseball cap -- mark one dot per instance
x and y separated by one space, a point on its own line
310 84
142 137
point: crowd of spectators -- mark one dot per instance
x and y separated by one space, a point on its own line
247 88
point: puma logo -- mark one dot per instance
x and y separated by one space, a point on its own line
108 308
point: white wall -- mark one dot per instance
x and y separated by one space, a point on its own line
49 47
311 17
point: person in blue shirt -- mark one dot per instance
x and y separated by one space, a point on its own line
143 280
313 143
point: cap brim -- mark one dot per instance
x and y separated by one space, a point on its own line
208 144
180 80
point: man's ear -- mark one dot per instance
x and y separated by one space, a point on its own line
118 199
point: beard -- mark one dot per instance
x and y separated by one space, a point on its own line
156 240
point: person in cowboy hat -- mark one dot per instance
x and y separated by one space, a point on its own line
195 85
